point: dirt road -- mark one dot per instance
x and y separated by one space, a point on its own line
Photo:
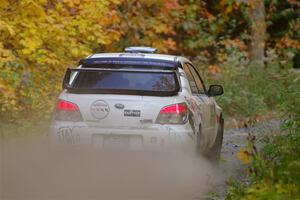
30 170
234 140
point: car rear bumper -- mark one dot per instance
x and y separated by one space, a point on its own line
151 137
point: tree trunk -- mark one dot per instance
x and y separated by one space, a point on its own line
258 29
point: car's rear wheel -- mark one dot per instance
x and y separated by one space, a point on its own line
200 145
214 153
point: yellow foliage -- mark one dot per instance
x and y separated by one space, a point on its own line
244 156
40 38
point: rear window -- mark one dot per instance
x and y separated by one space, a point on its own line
119 81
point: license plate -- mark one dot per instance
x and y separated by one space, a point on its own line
116 141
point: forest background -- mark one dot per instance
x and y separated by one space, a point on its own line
39 39
249 46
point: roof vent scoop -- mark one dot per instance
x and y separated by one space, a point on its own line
140 50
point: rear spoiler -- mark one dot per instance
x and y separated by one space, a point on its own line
67 79
117 62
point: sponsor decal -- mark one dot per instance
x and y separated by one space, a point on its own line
66 135
99 109
132 113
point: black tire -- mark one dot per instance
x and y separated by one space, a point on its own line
214 152
199 147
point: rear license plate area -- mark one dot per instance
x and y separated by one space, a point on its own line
117 141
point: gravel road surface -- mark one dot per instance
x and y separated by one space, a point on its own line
234 140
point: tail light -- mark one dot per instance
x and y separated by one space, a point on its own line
173 114
67 111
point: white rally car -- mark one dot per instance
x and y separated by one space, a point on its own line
137 99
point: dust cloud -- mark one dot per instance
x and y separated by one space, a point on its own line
32 169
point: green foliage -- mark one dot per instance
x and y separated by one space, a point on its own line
208 27
243 88
236 190
275 170
290 101
252 89
279 13
283 24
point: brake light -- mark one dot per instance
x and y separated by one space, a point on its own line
173 114
64 105
67 111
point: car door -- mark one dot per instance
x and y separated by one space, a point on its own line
205 105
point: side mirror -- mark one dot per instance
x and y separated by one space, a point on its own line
215 90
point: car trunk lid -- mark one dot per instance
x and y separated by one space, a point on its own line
104 110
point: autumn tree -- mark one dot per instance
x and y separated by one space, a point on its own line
39 38
149 23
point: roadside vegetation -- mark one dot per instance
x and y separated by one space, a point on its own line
254 93
250 47
252 90
274 170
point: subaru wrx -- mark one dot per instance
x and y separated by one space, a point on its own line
138 99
